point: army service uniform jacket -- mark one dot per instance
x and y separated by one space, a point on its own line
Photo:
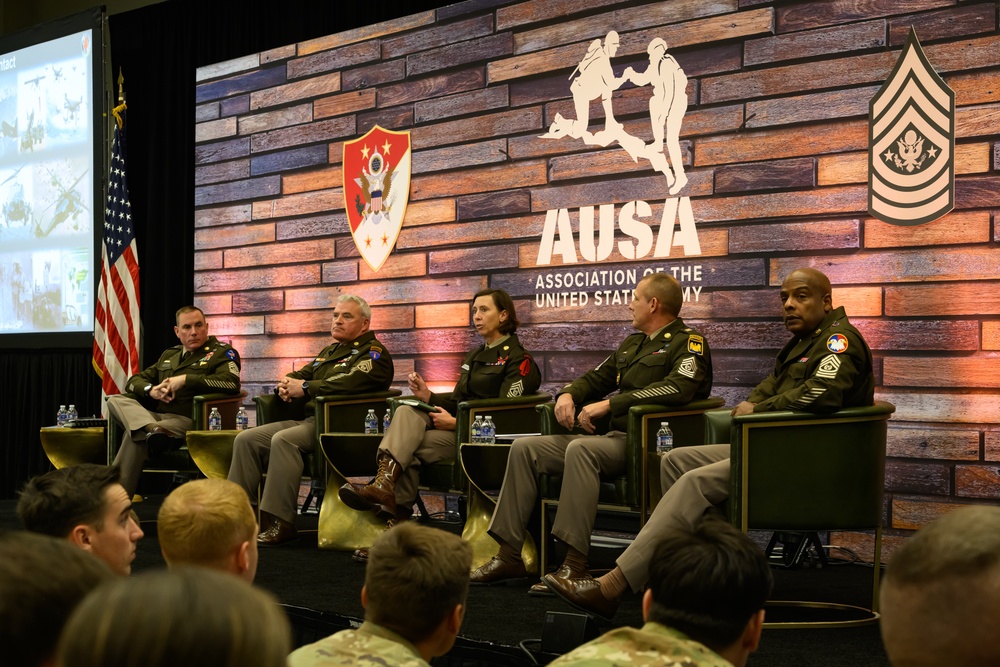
356 367
502 371
213 368
672 368
829 369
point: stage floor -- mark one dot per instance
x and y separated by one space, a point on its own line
324 587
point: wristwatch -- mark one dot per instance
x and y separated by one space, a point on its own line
147 389
305 387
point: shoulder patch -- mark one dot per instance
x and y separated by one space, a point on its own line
696 344
374 353
837 343
231 353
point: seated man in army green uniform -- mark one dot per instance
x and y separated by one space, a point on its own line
704 606
200 364
356 362
664 363
827 365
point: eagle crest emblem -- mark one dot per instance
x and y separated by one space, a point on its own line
376 190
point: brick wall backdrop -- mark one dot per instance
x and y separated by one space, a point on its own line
775 145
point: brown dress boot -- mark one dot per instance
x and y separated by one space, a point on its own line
378 495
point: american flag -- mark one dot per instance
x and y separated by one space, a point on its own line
116 322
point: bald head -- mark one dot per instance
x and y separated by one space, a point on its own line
939 588
806 298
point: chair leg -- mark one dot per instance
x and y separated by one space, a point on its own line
424 514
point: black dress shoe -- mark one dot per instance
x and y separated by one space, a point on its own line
160 440
584 593
279 532
565 571
497 572
360 555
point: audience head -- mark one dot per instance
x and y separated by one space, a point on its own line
710 582
416 583
941 592
209 522
86 505
42 580
193 617
806 298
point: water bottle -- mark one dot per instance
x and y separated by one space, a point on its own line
214 420
489 432
477 429
61 415
664 438
72 414
371 422
242 419
386 419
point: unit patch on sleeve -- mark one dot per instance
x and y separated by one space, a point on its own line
696 344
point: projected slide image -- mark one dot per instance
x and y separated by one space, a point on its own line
47 180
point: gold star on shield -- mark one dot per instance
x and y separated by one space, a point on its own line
365 151
385 239
386 146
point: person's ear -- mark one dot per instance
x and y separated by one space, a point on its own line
647 603
81 537
751 634
243 558
455 619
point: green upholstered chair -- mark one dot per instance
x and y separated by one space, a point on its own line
630 492
353 455
179 460
798 471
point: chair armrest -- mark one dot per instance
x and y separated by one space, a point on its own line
687 423
271 409
228 405
511 415
861 412
718 425
346 414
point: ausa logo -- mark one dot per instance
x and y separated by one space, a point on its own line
911 139
376 191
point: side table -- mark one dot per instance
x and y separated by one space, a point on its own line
66 447
484 465
347 455
211 451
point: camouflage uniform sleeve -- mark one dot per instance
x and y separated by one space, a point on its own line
823 381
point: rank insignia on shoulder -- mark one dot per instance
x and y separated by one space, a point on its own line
231 353
696 344
837 343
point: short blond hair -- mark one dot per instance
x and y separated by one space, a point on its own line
204 521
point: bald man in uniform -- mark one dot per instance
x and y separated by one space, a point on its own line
826 366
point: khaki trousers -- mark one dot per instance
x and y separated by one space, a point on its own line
133 451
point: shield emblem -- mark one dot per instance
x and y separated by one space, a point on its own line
376 190
911 143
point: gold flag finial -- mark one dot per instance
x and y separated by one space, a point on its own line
117 111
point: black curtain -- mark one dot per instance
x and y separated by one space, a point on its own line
158 48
